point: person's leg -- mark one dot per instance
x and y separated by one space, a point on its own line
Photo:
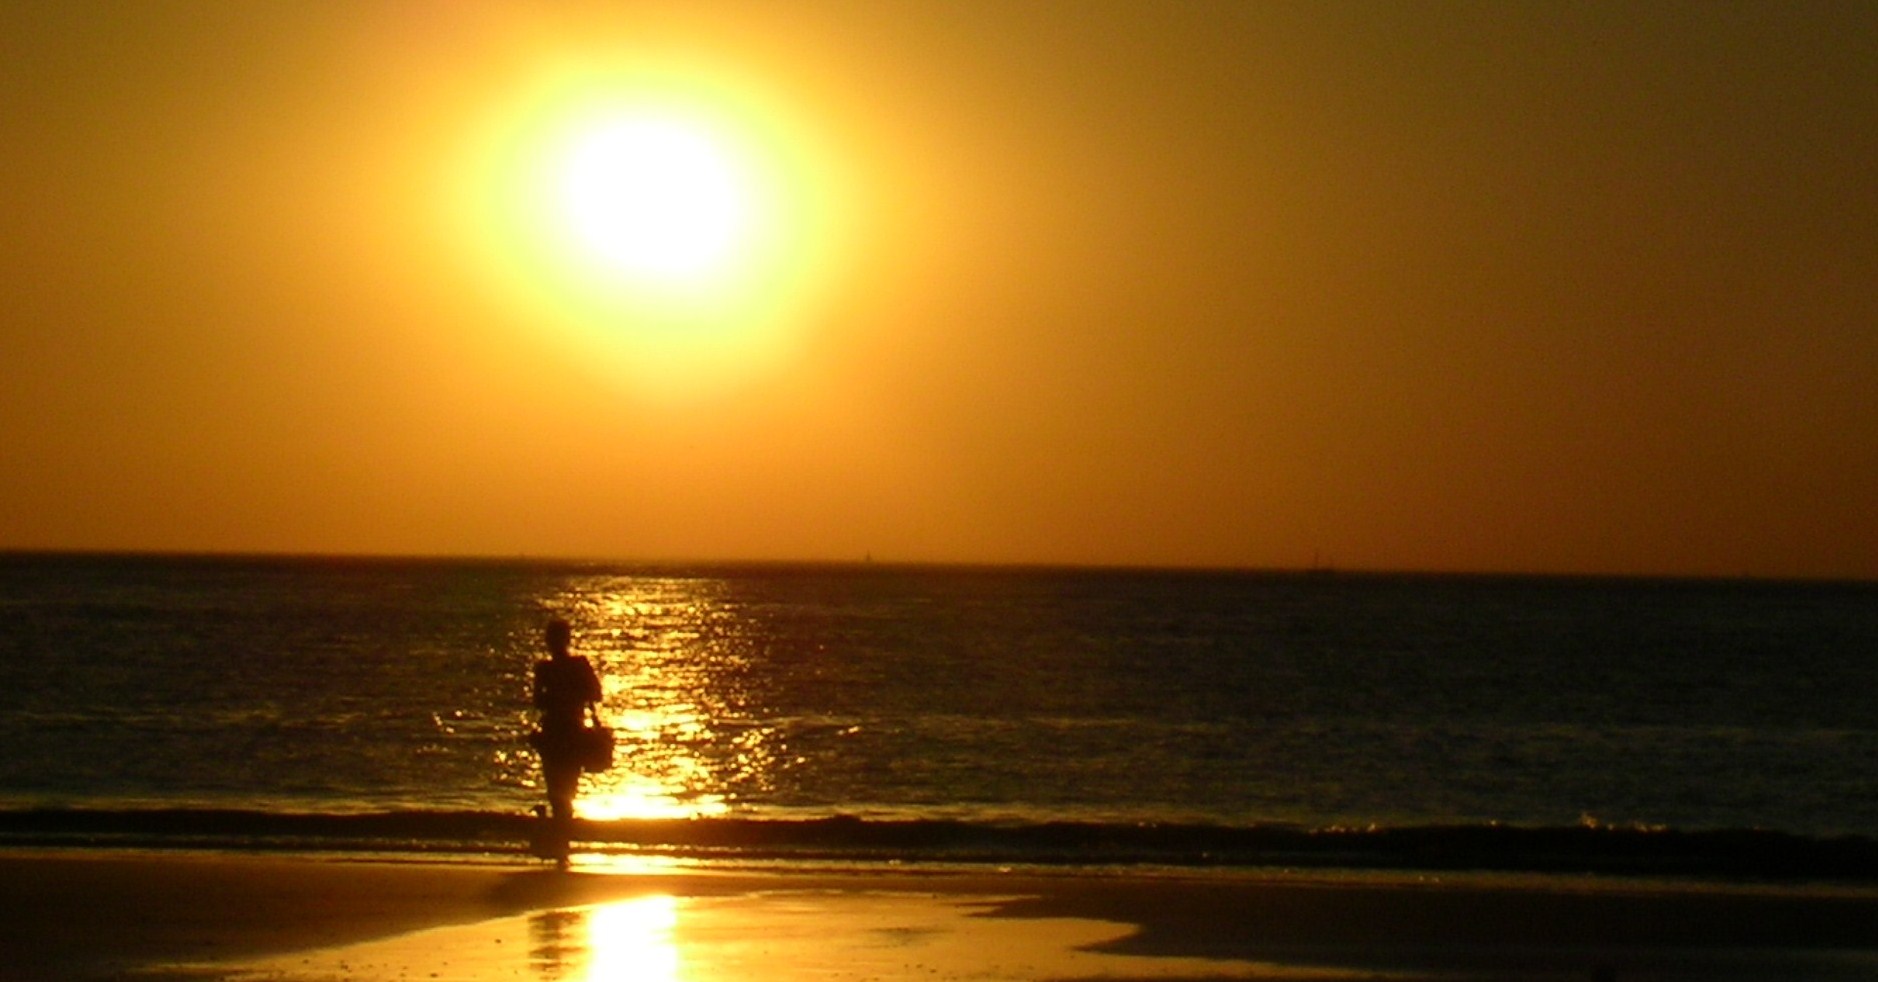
563 783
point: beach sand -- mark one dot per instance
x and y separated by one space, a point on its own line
100 915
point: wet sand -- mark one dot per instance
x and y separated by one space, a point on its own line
97 915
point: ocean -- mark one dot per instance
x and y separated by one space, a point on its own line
861 713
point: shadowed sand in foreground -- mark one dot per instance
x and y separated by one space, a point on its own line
74 915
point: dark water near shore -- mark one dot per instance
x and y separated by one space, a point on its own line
1006 713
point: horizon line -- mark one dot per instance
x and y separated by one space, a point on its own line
869 561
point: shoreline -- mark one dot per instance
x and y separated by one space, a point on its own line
1583 848
96 914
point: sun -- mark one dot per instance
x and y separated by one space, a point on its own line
654 197
672 226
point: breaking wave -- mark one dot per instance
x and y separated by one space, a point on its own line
1585 848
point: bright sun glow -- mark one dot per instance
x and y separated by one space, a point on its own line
655 196
671 225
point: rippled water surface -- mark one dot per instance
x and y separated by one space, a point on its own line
977 694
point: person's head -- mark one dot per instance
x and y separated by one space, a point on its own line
558 635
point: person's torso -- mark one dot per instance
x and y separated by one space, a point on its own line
565 686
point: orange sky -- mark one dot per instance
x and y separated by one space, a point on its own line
1522 287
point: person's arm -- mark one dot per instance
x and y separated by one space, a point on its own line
594 694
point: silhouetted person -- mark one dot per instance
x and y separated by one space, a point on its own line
566 690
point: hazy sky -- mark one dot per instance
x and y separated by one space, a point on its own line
1500 286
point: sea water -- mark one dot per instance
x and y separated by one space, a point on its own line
894 708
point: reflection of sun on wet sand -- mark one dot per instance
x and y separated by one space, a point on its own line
779 935
128 916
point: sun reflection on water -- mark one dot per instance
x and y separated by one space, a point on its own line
673 659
